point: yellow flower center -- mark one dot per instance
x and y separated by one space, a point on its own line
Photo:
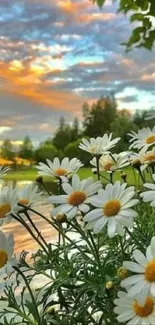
76 198
24 201
4 209
3 258
150 139
111 208
146 309
108 166
150 271
150 157
60 172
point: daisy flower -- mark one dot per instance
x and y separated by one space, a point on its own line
65 168
144 281
8 203
143 159
7 260
143 139
77 196
98 146
135 311
29 195
149 196
3 171
111 163
112 208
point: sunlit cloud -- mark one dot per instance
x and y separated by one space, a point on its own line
55 55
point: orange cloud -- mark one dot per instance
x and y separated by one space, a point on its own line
27 83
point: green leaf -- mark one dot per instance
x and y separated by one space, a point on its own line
152 8
135 17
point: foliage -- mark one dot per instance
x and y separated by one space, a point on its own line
7 149
26 149
45 151
98 118
72 150
142 12
120 127
79 274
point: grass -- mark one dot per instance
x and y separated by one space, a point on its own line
30 175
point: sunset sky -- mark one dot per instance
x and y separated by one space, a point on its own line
57 54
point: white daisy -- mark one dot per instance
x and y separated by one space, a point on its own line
144 281
111 163
8 203
135 311
149 196
113 207
78 196
98 146
65 168
7 260
143 159
150 116
143 139
29 195
3 171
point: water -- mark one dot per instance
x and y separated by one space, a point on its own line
23 240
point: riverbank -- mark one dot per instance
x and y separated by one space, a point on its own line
29 174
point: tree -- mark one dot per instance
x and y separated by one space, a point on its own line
7 149
75 130
120 127
26 149
143 13
72 150
98 118
45 151
63 135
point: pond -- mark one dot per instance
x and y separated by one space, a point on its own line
23 240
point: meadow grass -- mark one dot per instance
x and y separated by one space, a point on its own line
30 175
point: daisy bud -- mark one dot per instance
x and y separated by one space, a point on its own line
39 179
50 310
109 285
124 176
61 218
122 273
136 163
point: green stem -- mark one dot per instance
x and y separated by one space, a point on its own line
31 294
111 177
134 238
20 220
36 229
61 231
95 248
98 166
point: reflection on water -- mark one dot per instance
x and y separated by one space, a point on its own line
23 240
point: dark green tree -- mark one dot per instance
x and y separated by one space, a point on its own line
75 132
7 151
142 12
26 149
45 151
98 118
120 127
63 135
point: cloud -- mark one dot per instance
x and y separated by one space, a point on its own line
55 55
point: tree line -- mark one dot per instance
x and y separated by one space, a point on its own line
99 118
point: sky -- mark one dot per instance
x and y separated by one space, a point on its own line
57 54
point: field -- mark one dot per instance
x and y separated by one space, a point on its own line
30 175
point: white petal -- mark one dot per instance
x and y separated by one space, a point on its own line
140 258
133 267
